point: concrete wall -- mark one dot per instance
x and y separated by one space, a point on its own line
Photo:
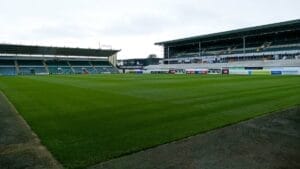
264 64
113 60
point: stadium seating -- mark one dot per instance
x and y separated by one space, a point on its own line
79 63
56 63
113 69
80 70
254 63
60 70
27 59
101 70
227 55
36 67
91 70
31 67
100 63
32 70
82 67
7 70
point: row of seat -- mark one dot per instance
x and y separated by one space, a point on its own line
29 67
8 71
265 47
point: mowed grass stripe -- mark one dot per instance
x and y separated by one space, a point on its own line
149 91
84 120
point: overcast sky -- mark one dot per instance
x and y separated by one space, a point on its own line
131 25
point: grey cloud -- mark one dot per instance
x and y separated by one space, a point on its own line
126 23
146 24
60 31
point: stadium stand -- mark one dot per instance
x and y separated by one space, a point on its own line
240 64
7 70
38 60
137 65
7 67
260 46
103 67
28 67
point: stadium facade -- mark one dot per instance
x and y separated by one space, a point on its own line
269 47
29 60
137 65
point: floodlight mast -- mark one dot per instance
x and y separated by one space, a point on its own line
168 55
244 45
199 49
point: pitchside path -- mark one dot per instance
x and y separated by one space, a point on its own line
268 142
20 148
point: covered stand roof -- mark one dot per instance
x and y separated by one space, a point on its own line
251 31
62 51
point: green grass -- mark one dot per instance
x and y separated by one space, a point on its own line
84 120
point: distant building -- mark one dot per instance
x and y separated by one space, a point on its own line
137 64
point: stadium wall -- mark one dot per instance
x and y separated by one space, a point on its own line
267 67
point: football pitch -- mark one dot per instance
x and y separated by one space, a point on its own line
87 119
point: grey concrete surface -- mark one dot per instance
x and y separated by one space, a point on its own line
268 142
20 148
